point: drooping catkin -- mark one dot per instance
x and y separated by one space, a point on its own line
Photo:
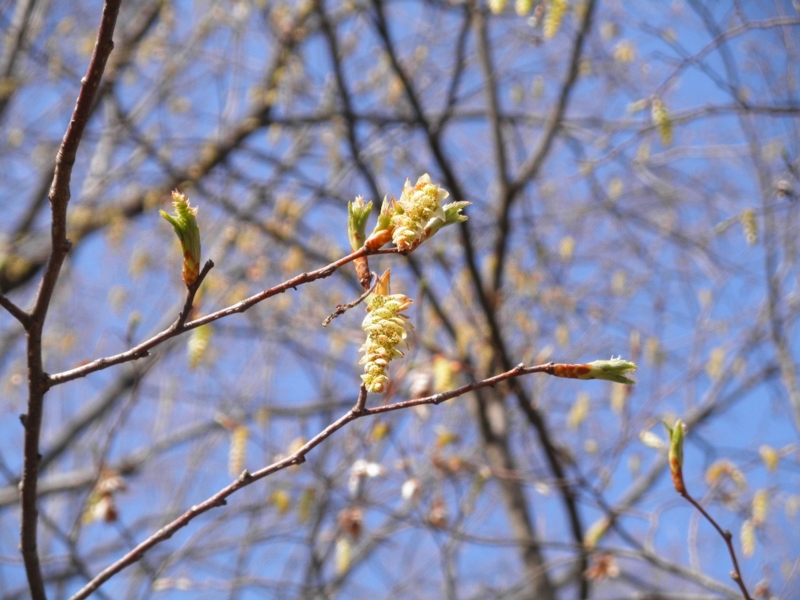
238 450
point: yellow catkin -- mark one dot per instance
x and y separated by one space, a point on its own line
624 52
725 469
748 538
770 457
716 360
579 411
566 248
749 226
419 204
553 17
595 533
282 501
443 374
619 396
343 555
386 328
197 346
238 450
497 6
760 507
306 504
662 121
523 7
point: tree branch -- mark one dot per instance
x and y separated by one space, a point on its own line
736 574
15 311
37 386
180 325
298 457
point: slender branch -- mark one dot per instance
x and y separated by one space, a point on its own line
343 308
191 292
298 457
15 311
60 245
135 204
143 349
530 168
362 400
486 300
736 574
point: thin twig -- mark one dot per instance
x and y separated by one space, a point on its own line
143 349
191 292
343 308
362 400
15 311
296 458
736 574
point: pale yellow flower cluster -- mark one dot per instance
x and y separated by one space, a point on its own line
386 328
418 205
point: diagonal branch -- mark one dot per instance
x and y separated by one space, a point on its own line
296 458
180 325
15 311
530 168
736 574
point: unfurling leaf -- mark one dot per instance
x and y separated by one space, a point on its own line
676 455
357 214
184 223
614 369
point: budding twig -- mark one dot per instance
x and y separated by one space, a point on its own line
676 468
298 457
736 574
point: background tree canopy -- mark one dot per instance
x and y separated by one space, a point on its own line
633 170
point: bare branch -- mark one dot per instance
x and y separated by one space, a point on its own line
59 198
736 574
15 311
143 349
296 458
